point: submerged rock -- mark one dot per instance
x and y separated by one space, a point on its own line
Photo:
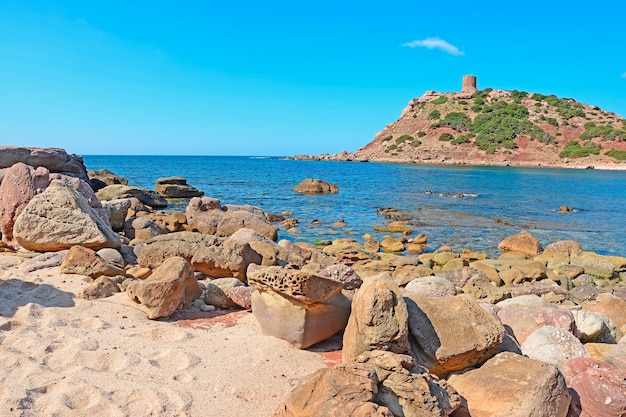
316 186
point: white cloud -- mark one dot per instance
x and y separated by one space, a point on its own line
435 43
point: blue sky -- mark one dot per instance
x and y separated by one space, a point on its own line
281 77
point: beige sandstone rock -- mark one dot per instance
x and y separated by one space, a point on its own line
171 286
85 261
60 218
176 187
217 292
117 191
378 321
523 242
451 333
512 385
316 186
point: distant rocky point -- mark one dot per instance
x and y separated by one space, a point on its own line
497 127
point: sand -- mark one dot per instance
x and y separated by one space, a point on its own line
65 356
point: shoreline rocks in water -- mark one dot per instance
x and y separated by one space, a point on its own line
438 333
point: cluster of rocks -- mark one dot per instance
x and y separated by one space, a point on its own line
428 334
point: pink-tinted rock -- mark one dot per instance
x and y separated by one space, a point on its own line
20 184
242 296
523 322
523 242
611 306
597 388
617 356
53 159
84 189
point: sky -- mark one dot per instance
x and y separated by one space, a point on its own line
281 77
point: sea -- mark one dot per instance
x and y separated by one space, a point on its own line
462 207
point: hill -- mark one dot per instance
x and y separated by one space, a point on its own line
497 127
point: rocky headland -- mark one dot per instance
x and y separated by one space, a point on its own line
493 127
110 306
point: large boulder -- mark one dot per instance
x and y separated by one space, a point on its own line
53 159
85 261
211 255
143 228
522 322
84 189
596 327
170 286
218 292
207 215
451 333
20 184
116 211
100 178
379 319
523 242
512 385
598 265
297 306
176 187
377 383
611 306
553 345
117 191
316 186
558 253
60 218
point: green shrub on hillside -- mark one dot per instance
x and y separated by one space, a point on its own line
388 138
446 137
606 132
476 108
574 150
416 142
421 134
404 138
440 100
433 115
517 96
462 139
614 153
552 121
463 102
457 121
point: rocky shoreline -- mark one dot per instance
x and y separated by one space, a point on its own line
421 331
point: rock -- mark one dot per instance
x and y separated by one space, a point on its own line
102 287
116 211
147 197
217 292
451 333
458 277
297 306
242 296
431 287
553 345
617 356
100 178
442 258
378 321
377 383
523 242
138 272
45 260
60 218
390 244
611 306
482 289
53 159
85 261
84 189
404 274
176 187
112 256
213 256
599 350
597 388
595 327
597 265
566 209
20 184
143 228
501 388
233 220
557 254
523 302
525 321
172 221
171 286
316 186
350 253
585 293
344 274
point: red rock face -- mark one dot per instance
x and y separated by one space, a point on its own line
20 184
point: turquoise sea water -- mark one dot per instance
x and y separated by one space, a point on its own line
504 200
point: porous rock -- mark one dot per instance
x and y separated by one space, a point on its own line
60 218
101 287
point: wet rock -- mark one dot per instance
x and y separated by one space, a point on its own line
500 388
316 186
378 321
451 333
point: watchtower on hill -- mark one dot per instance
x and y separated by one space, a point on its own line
469 84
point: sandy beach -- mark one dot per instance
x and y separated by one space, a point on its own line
64 356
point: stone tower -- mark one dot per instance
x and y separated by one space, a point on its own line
469 84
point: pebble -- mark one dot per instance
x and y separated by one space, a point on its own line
206 307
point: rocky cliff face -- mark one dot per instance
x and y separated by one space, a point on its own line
496 127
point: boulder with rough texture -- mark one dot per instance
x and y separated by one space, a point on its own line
523 242
451 333
597 388
20 184
344 274
147 197
176 187
85 261
234 220
116 211
377 383
482 288
379 319
53 159
101 287
595 327
242 296
297 306
558 253
611 306
316 186
171 286
431 287
84 189
100 178
218 290
512 385
553 345
45 260
211 255
173 221
143 228
617 355
60 218
597 265
525 321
